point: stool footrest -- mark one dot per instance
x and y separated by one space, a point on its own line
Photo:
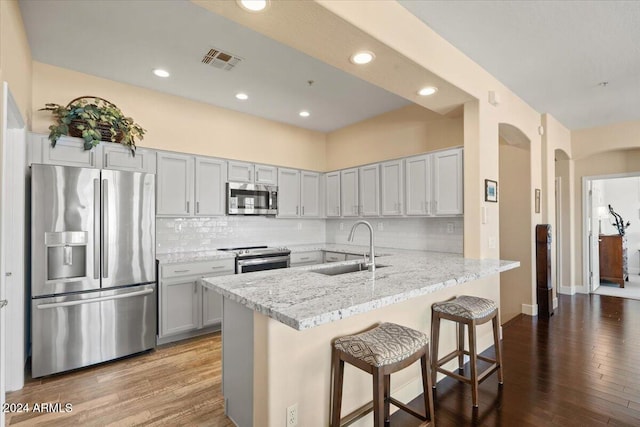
407 409
355 415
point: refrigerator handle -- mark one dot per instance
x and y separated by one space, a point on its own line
96 228
91 300
105 228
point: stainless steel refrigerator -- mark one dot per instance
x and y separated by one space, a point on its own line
93 280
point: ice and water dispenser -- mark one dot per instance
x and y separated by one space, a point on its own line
66 255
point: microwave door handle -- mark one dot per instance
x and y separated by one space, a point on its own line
105 228
96 228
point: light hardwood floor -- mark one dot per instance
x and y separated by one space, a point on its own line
176 384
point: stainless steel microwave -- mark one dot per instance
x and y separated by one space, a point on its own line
251 199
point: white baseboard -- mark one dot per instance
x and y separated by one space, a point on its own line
555 303
567 290
530 309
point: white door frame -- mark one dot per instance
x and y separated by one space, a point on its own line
586 185
13 137
559 237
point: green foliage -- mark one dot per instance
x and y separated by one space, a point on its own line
89 119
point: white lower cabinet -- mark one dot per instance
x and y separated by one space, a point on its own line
334 256
306 258
187 307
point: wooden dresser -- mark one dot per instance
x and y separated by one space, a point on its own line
613 259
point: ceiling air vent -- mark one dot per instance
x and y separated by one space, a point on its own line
219 59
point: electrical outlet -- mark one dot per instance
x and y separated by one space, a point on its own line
492 242
341 226
381 226
450 227
299 226
292 415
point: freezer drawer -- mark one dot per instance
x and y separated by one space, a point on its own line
78 330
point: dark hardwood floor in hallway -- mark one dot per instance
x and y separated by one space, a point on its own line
579 368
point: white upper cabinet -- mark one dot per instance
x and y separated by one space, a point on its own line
369 190
174 185
288 192
210 178
298 193
252 173
447 182
120 157
418 185
67 152
332 192
190 185
349 201
240 171
392 187
310 194
266 174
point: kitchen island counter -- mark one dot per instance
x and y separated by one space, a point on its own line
303 298
278 326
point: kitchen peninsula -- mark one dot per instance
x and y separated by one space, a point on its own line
278 326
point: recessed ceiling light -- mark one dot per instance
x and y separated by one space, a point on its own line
242 96
304 113
426 91
363 57
161 73
253 5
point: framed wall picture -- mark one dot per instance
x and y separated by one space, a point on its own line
490 191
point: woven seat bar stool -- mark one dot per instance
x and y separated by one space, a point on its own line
470 311
381 351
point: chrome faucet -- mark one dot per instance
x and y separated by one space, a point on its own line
371 265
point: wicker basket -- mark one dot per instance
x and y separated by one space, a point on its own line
102 127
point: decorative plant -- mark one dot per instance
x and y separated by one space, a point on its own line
620 225
93 119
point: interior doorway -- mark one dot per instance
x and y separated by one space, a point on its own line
612 249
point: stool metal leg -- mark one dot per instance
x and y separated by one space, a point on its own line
473 355
435 341
498 346
338 376
460 346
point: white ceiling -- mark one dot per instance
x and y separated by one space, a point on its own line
125 40
553 54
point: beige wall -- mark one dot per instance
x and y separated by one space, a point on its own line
15 56
399 133
587 142
178 124
515 233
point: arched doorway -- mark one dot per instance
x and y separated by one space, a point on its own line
517 290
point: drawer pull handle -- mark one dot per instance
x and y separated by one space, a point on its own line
217 267
304 258
182 271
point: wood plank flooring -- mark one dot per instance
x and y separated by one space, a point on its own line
579 368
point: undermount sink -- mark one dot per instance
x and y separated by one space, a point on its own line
334 270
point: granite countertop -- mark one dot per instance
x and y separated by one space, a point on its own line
303 299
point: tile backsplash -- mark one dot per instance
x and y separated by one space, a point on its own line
195 234
426 234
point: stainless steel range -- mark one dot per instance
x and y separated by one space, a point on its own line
258 258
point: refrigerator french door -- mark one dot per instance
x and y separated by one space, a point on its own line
93 282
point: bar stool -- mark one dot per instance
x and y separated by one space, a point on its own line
470 311
381 351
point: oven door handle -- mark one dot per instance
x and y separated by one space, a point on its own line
259 261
